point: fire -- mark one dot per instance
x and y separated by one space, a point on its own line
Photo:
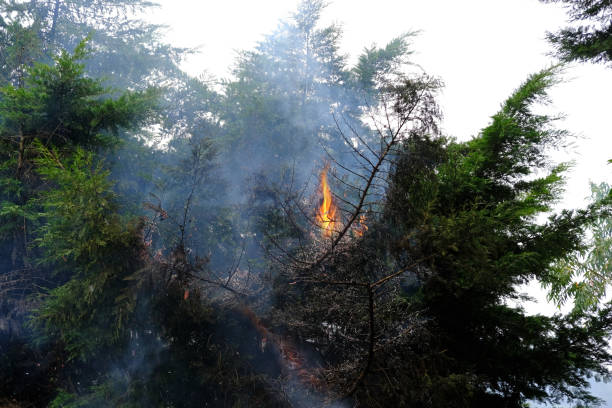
362 227
289 356
327 209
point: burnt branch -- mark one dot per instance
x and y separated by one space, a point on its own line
407 102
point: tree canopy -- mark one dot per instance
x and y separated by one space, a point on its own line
302 234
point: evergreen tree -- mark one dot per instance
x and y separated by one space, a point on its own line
585 276
591 41
52 116
122 41
57 106
280 108
475 215
416 312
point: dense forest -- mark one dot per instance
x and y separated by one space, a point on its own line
300 235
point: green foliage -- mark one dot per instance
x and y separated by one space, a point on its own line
589 42
377 66
12 193
62 400
142 311
59 104
20 48
585 276
76 208
278 111
84 237
122 41
59 213
472 208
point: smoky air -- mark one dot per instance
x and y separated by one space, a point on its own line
303 233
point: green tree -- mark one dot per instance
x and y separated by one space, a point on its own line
57 106
55 113
20 48
416 312
135 329
591 41
84 237
278 110
479 226
585 276
122 41
482 232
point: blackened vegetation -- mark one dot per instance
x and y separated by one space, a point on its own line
195 273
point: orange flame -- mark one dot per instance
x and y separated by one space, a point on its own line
327 210
289 356
362 227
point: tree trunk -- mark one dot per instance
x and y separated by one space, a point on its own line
21 154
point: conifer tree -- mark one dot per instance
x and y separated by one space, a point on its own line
590 41
416 312
52 117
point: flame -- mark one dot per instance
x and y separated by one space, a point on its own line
327 210
290 358
362 227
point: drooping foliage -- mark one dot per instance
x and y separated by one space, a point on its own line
479 226
584 277
591 40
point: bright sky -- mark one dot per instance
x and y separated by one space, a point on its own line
481 49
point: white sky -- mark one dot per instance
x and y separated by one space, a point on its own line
481 49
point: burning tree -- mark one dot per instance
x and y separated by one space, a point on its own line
341 281
415 312
383 283
326 214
